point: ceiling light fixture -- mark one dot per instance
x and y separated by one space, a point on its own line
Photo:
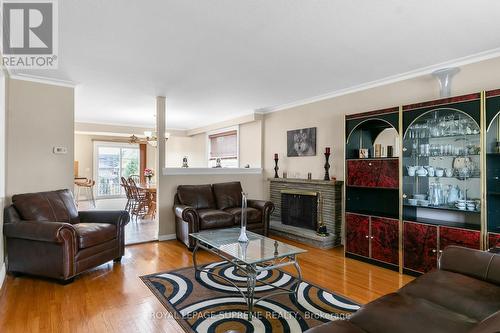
149 138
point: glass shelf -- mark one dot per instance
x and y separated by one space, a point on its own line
443 156
444 177
457 151
454 209
454 136
470 226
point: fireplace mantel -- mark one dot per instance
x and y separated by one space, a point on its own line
331 212
307 181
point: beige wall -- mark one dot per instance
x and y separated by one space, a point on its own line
250 150
253 184
328 116
194 147
39 117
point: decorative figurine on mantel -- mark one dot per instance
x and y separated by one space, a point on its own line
218 163
276 168
243 233
185 162
327 164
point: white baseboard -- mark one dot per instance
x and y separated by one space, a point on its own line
2 275
166 237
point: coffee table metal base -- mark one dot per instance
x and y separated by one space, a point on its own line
251 271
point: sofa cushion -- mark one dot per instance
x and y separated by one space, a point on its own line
457 292
90 234
228 195
211 219
196 196
52 206
253 215
401 313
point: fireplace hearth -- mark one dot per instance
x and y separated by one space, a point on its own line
298 225
300 209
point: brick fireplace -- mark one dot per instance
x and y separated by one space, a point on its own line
301 205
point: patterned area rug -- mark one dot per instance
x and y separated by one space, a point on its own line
202 302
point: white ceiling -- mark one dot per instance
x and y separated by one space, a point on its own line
221 59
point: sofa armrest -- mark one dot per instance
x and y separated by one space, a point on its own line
52 232
186 213
263 205
117 217
266 207
474 263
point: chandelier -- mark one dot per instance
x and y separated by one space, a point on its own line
149 138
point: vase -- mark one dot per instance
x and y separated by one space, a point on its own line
149 179
243 232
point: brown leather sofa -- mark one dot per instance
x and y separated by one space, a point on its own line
47 236
203 207
463 295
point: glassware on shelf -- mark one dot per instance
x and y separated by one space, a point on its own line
441 158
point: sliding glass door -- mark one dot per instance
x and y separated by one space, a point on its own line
111 162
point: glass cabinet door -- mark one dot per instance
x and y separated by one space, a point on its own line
493 166
441 169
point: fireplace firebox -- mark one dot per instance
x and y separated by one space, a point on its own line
299 208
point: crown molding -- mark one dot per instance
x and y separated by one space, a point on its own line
248 118
467 60
44 80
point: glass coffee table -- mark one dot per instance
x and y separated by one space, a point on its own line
257 255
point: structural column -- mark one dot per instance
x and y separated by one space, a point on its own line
161 125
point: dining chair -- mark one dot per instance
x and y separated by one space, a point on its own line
140 200
128 194
136 178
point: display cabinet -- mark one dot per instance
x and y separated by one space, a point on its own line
493 167
441 169
442 189
372 187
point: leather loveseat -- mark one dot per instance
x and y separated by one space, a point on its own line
217 206
47 236
463 295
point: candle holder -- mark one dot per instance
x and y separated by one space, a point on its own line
276 168
327 166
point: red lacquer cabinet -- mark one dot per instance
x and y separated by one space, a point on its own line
493 240
460 237
357 234
419 246
381 173
372 187
385 240
373 237
423 243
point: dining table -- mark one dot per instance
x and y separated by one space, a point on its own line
150 190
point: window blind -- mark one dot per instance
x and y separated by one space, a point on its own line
224 145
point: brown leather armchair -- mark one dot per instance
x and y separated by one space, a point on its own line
47 236
203 207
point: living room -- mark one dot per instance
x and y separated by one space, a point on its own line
291 170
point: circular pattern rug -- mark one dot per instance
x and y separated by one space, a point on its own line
203 302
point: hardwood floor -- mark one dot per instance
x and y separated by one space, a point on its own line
112 298
136 231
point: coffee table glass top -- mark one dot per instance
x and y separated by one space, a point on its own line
258 248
